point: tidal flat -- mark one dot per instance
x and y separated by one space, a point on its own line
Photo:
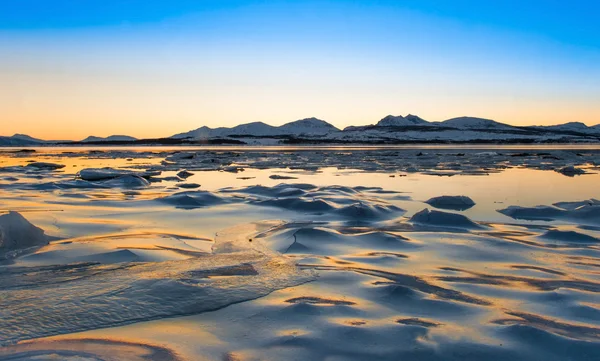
281 253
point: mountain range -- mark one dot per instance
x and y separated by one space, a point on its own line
308 126
390 129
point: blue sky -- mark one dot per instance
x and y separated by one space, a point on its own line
152 68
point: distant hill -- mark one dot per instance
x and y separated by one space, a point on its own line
311 126
20 140
308 126
400 121
475 123
392 129
571 127
112 138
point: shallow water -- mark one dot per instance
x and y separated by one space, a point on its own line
326 254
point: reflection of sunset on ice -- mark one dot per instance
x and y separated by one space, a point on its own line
108 256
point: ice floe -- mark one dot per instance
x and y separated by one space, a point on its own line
443 219
45 165
569 237
338 201
97 174
586 212
570 170
18 235
192 199
459 203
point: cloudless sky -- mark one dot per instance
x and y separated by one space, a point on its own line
69 69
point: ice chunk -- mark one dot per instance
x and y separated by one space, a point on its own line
574 205
189 185
45 165
569 237
570 171
459 203
18 234
543 213
277 176
192 199
443 219
362 211
127 181
586 213
96 174
184 174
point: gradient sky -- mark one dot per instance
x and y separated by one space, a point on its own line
69 69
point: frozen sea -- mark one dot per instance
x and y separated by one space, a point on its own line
300 253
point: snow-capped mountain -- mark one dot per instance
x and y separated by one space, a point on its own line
254 129
475 123
571 127
312 126
389 130
248 129
112 138
200 133
400 121
308 126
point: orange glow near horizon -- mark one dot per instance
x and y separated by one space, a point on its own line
59 107
230 66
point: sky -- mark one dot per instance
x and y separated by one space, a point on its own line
73 68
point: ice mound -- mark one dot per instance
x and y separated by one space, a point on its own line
75 184
282 177
570 170
127 181
60 257
362 211
88 349
119 248
320 301
189 185
540 213
192 199
45 165
443 219
574 205
184 174
298 204
280 190
124 181
18 235
311 238
97 174
569 237
315 240
340 201
586 212
94 296
459 203
415 321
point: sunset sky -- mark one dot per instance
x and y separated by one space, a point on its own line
69 69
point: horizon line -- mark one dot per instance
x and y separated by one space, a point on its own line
312 117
